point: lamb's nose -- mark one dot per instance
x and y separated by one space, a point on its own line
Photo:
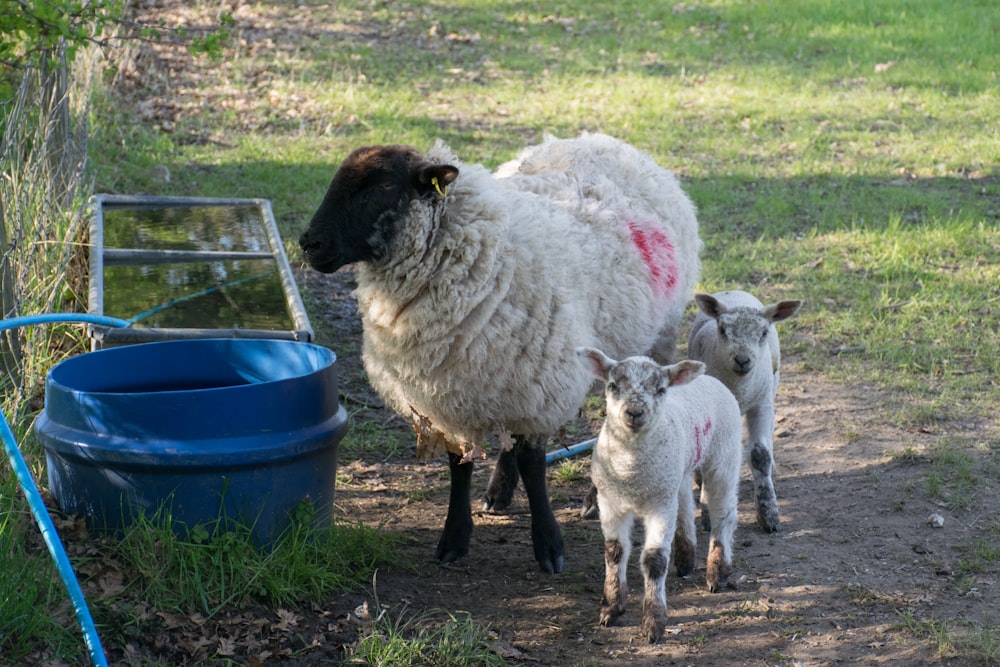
634 416
741 363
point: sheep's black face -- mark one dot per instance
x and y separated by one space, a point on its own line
365 204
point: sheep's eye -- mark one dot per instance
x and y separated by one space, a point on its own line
613 387
763 336
722 330
661 390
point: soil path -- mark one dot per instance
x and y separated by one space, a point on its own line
856 575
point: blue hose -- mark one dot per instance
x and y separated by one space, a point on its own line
35 502
570 451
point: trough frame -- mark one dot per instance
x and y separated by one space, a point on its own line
104 336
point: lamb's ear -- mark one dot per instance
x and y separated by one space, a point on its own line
709 305
596 361
782 310
683 372
429 178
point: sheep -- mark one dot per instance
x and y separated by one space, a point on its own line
475 289
662 423
743 352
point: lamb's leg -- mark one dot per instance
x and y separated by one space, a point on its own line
503 481
685 537
760 427
655 558
590 509
545 534
454 542
617 531
721 494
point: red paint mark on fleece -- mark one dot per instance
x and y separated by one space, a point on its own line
658 253
700 433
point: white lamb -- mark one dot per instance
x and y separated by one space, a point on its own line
662 423
742 351
475 290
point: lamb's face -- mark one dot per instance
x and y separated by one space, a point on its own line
744 332
635 390
366 204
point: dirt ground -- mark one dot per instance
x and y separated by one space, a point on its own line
857 575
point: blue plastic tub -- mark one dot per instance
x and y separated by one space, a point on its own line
239 429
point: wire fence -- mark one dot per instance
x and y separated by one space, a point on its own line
43 193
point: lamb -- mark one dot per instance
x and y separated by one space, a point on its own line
476 288
742 351
662 423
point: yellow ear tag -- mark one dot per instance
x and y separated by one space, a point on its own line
437 186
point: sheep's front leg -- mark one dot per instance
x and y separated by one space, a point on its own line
545 534
454 542
654 561
760 427
503 481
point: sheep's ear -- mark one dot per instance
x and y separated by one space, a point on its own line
431 178
709 305
782 310
596 361
683 372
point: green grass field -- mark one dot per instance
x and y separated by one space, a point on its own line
846 152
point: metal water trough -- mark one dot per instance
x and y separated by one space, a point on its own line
167 305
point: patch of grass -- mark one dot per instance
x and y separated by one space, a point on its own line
29 583
569 471
983 554
955 477
366 437
211 568
441 639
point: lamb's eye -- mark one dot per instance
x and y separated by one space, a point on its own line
722 330
661 390
763 336
613 387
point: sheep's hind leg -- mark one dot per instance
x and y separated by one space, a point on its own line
545 534
503 481
454 542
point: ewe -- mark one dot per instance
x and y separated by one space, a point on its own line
743 352
475 290
663 422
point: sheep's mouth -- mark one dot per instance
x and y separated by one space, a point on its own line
741 371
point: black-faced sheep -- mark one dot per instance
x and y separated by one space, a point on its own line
475 289
734 335
662 423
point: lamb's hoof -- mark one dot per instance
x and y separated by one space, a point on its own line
610 614
653 628
683 556
589 509
716 585
768 519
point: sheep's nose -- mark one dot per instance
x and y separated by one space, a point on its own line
741 364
